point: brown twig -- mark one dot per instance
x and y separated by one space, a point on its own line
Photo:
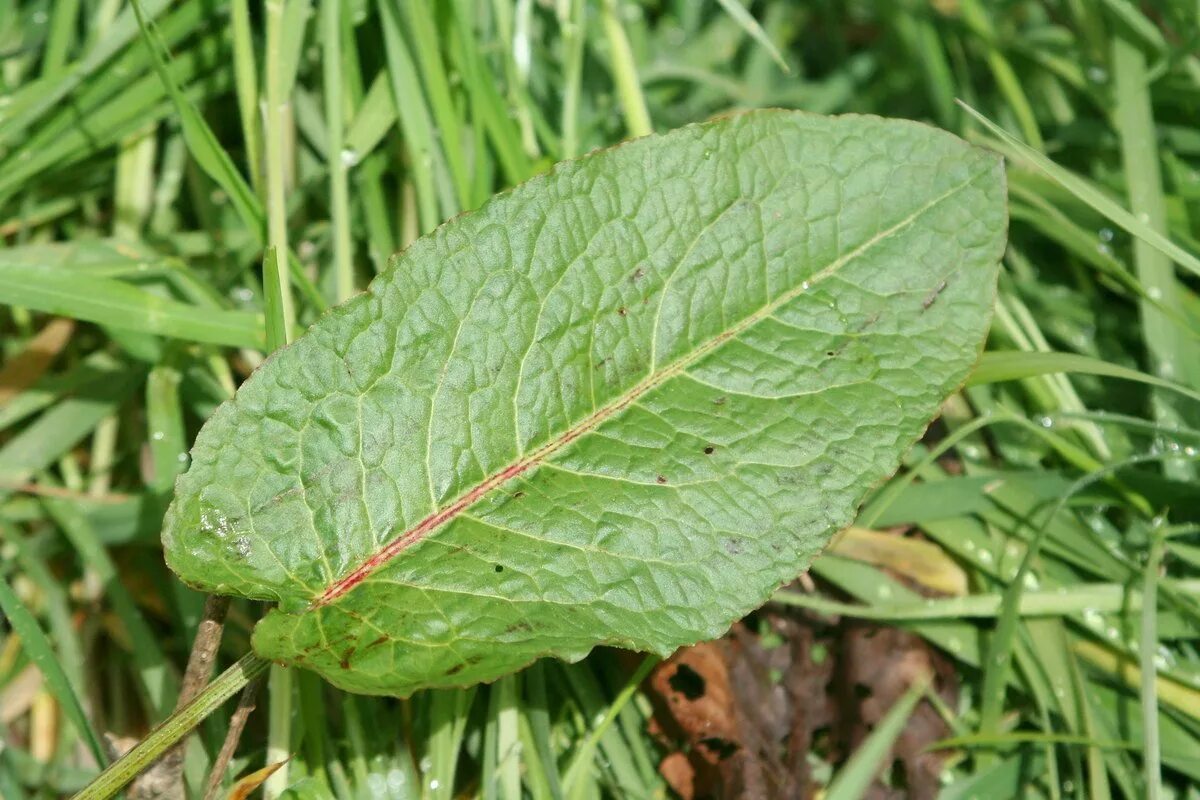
237 723
204 649
164 780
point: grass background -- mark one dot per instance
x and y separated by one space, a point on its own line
145 171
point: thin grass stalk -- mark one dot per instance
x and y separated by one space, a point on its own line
624 68
339 193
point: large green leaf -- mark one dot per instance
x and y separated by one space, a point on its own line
620 404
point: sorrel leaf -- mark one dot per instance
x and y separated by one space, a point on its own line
620 404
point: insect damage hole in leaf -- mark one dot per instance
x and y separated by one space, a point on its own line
374 467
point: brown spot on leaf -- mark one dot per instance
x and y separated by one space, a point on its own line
932 297
867 323
346 656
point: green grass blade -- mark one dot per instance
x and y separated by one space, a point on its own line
854 779
537 713
1000 649
201 141
448 711
294 22
276 322
277 102
1135 21
246 83
55 604
571 22
375 117
36 99
1151 756
1171 352
154 672
1105 598
446 117
41 652
1093 197
413 116
750 25
61 428
1002 365
178 725
1011 89
616 762
1024 737
573 786
80 379
215 161
61 37
624 70
339 192
487 104
167 435
111 302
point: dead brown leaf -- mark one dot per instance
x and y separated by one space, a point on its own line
743 716
26 367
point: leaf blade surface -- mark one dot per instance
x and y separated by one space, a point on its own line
620 404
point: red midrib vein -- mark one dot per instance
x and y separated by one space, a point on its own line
528 462
531 460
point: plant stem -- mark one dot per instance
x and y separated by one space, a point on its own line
339 193
174 728
571 25
1148 651
246 85
237 723
1165 347
629 87
279 728
104 446
279 684
276 145
195 676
